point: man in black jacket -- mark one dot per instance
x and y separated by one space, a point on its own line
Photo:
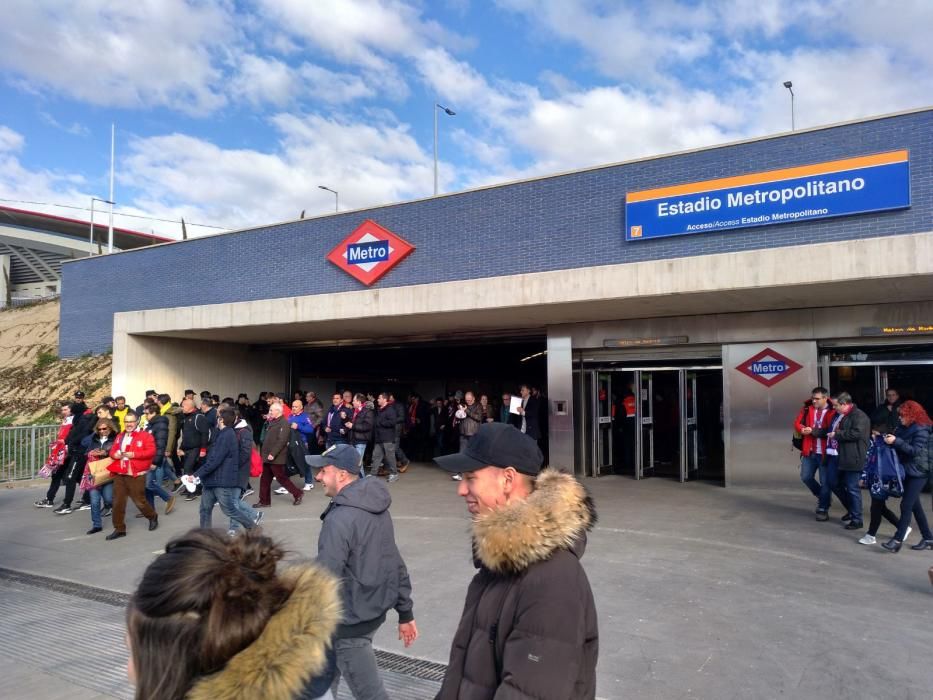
72 470
161 470
530 413
362 426
357 543
886 413
384 437
529 627
851 434
192 445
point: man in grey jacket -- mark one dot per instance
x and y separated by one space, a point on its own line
357 543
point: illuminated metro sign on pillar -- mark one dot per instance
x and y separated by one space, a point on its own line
370 252
768 367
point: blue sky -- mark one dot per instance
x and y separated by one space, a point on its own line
232 113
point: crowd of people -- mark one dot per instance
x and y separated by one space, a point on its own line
843 450
216 615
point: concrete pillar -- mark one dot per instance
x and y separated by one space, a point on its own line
560 401
4 281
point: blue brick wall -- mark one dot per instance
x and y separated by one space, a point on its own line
567 221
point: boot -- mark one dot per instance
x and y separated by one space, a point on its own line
922 544
892 545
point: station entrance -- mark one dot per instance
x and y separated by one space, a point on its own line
641 421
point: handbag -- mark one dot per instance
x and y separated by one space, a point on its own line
100 470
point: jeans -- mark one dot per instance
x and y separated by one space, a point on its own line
361 448
154 480
228 498
831 483
912 506
356 662
849 488
245 509
104 495
809 466
384 451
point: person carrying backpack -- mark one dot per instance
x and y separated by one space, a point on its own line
911 440
883 476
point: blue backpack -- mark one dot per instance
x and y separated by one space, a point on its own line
886 474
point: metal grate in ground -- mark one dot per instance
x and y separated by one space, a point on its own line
74 633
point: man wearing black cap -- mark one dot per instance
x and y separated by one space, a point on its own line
529 625
357 543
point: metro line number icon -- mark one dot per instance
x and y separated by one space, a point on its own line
370 252
768 367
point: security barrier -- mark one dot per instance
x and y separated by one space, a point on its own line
23 450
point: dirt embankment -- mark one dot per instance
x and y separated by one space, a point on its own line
33 381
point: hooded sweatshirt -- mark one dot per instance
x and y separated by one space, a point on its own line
357 543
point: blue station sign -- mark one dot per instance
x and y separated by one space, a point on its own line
859 185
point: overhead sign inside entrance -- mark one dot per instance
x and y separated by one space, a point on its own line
859 185
768 367
370 252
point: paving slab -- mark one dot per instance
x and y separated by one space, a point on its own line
702 592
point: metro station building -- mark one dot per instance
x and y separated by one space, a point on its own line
674 310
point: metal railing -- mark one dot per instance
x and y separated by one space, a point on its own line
23 450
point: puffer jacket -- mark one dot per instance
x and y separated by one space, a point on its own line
158 427
529 627
143 448
473 420
386 421
244 436
221 469
291 659
912 444
357 543
364 424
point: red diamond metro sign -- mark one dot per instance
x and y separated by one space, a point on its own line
768 367
370 252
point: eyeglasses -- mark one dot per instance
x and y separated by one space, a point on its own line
103 430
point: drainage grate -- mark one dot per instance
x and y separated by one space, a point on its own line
414 668
396 663
78 590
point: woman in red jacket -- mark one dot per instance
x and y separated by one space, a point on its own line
132 454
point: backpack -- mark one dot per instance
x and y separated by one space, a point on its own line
797 438
889 473
255 459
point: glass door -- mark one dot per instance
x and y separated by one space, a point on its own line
690 459
604 422
645 420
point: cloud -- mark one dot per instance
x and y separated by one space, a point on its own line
124 54
75 129
10 141
270 81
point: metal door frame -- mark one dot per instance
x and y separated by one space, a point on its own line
688 406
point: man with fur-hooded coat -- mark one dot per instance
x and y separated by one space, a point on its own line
528 628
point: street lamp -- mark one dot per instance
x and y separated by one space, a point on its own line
336 196
91 236
449 112
790 86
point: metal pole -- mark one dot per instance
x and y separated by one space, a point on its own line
91 236
336 202
793 126
110 226
435 150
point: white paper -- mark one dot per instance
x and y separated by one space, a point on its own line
515 404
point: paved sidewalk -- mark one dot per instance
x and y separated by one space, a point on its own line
702 592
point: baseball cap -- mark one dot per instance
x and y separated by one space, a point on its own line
496 445
79 394
341 456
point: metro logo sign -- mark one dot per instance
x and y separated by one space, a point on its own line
768 367
370 252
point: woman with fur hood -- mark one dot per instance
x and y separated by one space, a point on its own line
214 619
529 627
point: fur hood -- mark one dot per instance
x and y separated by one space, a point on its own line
555 516
292 648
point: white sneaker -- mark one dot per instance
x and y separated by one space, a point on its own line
281 491
308 487
867 539
907 534
457 477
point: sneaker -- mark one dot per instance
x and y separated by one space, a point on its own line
84 506
44 503
63 510
392 478
258 519
907 534
867 539
822 516
308 487
191 497
106 512
247 492
854 525
231 534
281 491
456 477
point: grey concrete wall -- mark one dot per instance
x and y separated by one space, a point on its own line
173 364
758 419
560 402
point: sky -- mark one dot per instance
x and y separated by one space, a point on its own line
231 114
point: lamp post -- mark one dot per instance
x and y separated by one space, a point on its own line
790 87
449 113
336 196
91 235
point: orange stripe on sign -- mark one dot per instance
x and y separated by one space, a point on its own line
832 166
